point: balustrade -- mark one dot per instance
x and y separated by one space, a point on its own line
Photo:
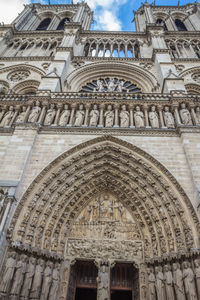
184 49
107 115
112 48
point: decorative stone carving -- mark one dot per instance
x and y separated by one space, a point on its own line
198 114
151 285
103 282
160 286
196 77
109 116
178 282
21 117
55 282
35 112
79 117
197 276
94 116
19 275
50 115
37 281
7 117
189 281
168 118
185 115
19 75
138 117
153 117
64 117
5 284
29 273
111 85
124 117
47 279
168 283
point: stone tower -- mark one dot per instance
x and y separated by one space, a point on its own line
100 155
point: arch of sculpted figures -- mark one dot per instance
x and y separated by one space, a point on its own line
151 200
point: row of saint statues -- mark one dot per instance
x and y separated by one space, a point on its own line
29 278
176 282
109 116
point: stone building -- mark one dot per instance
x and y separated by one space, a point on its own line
100 155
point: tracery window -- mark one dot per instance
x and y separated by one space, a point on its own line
44 24
62 23
161 22
180 25
111 85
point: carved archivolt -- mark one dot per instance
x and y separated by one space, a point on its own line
142 78
162 213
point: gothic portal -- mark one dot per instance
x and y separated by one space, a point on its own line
100 156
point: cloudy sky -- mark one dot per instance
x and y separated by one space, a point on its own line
109 14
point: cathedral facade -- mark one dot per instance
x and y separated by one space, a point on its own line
100 156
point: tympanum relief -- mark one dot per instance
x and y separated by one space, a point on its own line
105 228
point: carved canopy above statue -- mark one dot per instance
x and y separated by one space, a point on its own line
111 84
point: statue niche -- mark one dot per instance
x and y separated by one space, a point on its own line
105 228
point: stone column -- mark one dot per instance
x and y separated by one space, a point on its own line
103 280
131 117
42 115
146 116
15 115
27 113
116 123
2 112
59 107
86 115
194 119
176 115
101 115
72 115
161 117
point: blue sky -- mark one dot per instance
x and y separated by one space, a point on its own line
108 14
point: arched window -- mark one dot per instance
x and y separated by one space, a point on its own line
44 24
180 25
161 22
62 23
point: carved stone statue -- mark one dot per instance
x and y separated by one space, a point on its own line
138 117
65 278
7 117
153 118
124 117
50 115
20 118
151 285
168 117
94 116
160 286
185 115
198 114
79 118
8 273
103 283
189 282
19 275
109 116
55 282
46 281
64 117
30 271
37 281
168 283
120 86
178 282
35 112
111 85
197 275
100 86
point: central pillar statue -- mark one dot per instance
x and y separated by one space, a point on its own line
103 281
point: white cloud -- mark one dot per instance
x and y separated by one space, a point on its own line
9 9
106 14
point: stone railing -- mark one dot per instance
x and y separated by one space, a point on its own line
109 114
